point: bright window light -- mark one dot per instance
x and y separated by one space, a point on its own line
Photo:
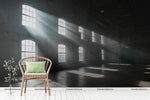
61 26
28 16
82 36
81 30
81 54
102 39
61 53
28 48
61 30
102 54
61 22
93 37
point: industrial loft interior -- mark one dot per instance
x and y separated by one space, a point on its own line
92 43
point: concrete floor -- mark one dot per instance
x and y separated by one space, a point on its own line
108 75
105 76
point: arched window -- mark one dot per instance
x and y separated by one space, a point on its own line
81 54
28 48
61 53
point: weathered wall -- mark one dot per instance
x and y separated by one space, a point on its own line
120 46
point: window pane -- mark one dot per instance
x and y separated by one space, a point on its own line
23 48
23 42
93 37
28 48
102 39
33 48
61 26
80 29
61 30
22 55
61 53
28 16
23 6
61 22
81 54
102 54
82 36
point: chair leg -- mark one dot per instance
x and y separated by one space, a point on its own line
25 86
48 87
22 87
45 86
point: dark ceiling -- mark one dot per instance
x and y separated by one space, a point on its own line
126 14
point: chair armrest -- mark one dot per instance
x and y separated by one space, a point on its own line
22 71
49 67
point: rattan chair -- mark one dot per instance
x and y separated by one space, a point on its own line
30 76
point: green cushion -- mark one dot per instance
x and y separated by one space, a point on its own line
35 67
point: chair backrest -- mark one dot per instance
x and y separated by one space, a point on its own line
22 63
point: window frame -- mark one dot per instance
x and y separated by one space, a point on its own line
61 26
61 53
102 54
80 54
93 36
32 45
102 39
28 15
81 31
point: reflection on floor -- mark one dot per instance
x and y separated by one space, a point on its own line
98 76
148 68
93 75
144 84
147 73
107 69
118 64
39 83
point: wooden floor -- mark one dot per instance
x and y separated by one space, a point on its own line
106 75
76 94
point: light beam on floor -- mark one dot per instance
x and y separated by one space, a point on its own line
104 69
93 75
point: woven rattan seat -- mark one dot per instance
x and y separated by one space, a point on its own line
35 76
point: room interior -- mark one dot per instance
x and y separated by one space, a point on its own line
92 43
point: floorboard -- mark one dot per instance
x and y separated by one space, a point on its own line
75 94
